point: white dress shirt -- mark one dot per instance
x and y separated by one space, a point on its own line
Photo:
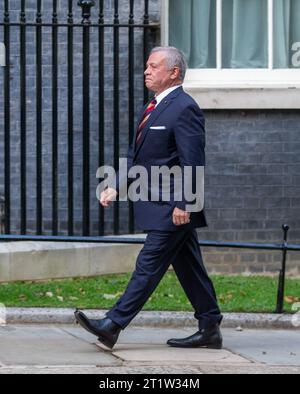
165 93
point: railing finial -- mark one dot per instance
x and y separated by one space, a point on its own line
86 6
285 228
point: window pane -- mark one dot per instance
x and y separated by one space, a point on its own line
193 30
286 33
245 34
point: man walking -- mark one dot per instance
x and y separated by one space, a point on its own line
170 133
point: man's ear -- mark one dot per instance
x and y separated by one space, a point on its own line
176 73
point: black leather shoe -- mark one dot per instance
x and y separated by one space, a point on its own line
209 338
106 330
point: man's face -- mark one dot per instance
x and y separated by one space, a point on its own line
157 75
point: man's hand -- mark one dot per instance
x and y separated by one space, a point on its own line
180 217
108 196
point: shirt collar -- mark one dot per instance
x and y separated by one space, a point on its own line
165 93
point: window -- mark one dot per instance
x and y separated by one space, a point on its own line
236 43
245 35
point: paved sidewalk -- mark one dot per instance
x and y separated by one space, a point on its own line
51 349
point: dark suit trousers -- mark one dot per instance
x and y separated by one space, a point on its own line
162 248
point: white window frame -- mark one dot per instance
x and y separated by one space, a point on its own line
239 88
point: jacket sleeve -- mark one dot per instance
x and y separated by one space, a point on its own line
190 142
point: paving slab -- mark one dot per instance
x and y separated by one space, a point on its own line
272 347
42 345
141 345
148 346
144 354
133 335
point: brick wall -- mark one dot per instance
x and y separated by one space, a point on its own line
252 186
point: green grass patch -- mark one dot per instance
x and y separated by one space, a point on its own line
235 293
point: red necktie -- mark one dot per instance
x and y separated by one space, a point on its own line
151 106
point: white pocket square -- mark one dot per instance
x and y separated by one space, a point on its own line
158 128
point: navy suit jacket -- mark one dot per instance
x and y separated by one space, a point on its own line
181 142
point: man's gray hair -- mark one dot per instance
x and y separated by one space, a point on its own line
175 58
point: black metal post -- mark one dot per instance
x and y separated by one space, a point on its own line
39 169
23 116
101 105
146 45
54 120
116 45
131 95
86 6
281 282
7 118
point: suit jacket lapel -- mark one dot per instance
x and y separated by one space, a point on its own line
163 105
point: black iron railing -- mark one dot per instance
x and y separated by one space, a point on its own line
43 29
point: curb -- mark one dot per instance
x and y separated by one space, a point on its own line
154 319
